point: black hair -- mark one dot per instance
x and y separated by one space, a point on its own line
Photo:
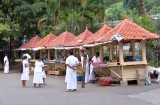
97 53
70 52
24 57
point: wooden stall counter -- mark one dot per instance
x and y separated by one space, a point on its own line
55 68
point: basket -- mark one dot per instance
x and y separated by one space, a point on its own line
104 83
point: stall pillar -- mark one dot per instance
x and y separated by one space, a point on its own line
90 52
74 52
40 53
111 51
93 50
101 52
48 54
133 48
56 53
34 56
121 60
143 51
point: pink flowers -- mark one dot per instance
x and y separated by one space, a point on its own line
108 79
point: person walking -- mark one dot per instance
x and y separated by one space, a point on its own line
96 58
38 73
71 75
25 71
6 64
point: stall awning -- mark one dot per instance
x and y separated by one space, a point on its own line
105 29
129 31
30 43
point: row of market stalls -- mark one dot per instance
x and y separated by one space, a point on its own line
110 42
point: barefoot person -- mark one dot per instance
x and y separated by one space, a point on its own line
71 76
38 73
6 64
25 70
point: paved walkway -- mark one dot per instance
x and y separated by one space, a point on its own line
54 93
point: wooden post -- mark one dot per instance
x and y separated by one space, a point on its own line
83 79
111 51
133 48
55 54
49 54
74 52
143 51
101 52
93 51
34 56
121 60
40 53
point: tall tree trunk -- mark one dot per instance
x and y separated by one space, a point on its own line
141 7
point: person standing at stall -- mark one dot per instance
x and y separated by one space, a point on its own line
71 75
38 73
96 58
87 68
25 71
6 64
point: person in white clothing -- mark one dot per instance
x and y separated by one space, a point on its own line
25 70
6 64
96 58
38 73
87 68
71 76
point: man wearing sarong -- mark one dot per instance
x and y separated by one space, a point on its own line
71 76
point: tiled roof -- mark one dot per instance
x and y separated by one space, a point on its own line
62 39
80 38
105 29
31 42
129 31
45 40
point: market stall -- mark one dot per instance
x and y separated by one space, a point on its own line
121 64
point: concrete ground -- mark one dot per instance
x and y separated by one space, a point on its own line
53 93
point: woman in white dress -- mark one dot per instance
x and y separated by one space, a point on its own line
38 73
25 71
6 64
96 58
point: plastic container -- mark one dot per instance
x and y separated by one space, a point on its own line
79 78
138 59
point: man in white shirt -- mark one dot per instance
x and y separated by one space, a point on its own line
71 75
96 58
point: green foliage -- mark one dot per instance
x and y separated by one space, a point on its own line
115 12
145 22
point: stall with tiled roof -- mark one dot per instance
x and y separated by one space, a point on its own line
105 29
45 41
80 38
30 43
125 65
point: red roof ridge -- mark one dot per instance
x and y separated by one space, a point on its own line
129 31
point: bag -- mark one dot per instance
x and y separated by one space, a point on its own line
147 80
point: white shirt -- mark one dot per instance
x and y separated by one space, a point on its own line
39 66
72 61
6 60
25 69
96 59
